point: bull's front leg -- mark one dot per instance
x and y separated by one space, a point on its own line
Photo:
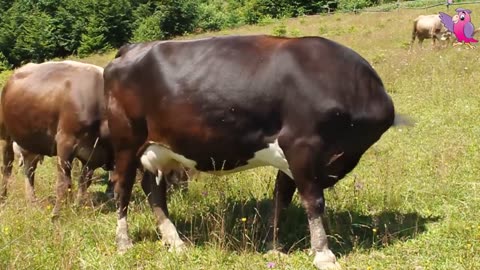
315 205
308 178
124 177
157 197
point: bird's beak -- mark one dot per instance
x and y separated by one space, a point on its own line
455 19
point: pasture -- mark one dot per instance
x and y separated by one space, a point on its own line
411 203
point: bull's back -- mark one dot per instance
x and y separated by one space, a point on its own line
231 96
426 23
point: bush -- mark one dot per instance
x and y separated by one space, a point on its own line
178 16
280 30
34 39
149 29
357 4
4 64
211 17
94 38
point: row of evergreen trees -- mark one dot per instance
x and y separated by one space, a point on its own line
35 30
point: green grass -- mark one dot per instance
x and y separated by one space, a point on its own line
412 202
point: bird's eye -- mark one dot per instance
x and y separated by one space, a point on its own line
462 17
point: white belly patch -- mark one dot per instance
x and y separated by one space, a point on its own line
157 159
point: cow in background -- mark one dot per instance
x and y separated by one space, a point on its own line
430 27
56 109
58 106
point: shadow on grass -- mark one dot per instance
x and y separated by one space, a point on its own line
243 225
351 230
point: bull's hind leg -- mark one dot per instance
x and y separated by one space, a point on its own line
8 158
84 182
65 147
30 162
282 194
420 42
303 161
124 177
158 201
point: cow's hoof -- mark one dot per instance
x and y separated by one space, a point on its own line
177 248
123 245
325 260
275 253
32 200
55 216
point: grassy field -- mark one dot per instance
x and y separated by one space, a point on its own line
413 202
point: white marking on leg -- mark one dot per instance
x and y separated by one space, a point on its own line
158 177
123 241
17 151
324 257
170 235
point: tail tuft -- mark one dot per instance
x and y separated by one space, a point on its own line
403 120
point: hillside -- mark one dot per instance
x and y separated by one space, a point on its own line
411 203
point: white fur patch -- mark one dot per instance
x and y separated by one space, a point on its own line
159 158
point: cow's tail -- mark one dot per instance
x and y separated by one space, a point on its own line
403 120
414 33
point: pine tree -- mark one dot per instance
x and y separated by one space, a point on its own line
34 39
94 38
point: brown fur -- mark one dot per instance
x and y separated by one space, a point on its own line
429 27
57 109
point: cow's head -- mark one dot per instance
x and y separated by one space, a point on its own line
445 35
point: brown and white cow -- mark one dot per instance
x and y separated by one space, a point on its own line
307 106
429 27
56 109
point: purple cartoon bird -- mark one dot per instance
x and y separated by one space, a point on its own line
460 25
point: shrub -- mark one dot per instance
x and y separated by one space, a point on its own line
178 16
4 64
34 39
149 29
94 38
280 30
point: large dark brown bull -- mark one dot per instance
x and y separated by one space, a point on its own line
307 106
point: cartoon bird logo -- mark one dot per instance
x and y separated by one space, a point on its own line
461 26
